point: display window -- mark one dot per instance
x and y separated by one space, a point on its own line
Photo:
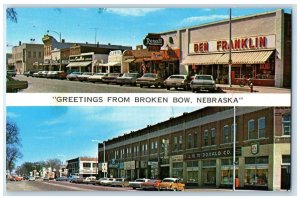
256 177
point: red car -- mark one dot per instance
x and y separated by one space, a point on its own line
152 184
16 178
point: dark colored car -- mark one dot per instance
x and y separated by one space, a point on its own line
177 81
62 178
73 76
29 73
13 85
150 79
128 79
11 73
111 78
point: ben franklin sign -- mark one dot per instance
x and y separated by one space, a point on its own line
212 154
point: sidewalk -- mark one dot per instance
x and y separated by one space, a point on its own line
246 89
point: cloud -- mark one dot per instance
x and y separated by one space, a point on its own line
12 115
52 122
132 11
201 19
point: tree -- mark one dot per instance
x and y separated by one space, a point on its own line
11 14
12 145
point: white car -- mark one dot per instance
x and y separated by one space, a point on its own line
137 183
106 181
203 82
97 77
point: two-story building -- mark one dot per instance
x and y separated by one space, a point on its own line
82 166
198 147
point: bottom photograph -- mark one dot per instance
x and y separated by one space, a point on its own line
138 149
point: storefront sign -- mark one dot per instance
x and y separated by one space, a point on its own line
153 42
212 154
237 44
143 164
254 148
177 158
151 163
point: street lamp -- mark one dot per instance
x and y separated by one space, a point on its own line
104 171
229 61
58 33
234 144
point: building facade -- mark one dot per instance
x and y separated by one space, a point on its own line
25 55
82 166
261 49
198 147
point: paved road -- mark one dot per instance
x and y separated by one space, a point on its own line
44 85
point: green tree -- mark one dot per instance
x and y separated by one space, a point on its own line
11 14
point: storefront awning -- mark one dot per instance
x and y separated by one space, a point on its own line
111 64
205 59
251 57
79 64
129 60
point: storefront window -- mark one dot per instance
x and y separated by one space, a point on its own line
226 176
175 143
261 127
286 124
213 136
190 141
251 131
225 134
178 169
192 176
256 177
180 142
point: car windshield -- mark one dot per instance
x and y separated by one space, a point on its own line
169 180
139 180
87 73
113 74
129 75
203 78
76 73
152 181
119 179
100 74
176 77
150 75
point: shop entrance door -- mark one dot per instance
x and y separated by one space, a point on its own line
164 172
285 177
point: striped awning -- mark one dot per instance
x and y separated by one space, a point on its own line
79 64
251 57
203 59
111 64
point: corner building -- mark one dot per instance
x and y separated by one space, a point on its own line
198 147
261 49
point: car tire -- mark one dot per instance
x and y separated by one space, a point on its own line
168 88
141 86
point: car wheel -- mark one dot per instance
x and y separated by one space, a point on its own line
168 88
174 189
121 84
141 86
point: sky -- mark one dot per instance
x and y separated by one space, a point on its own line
67 132
119 26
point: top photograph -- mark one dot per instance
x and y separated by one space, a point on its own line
148 50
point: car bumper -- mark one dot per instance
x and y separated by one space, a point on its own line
203 87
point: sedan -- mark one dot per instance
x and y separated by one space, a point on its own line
177 81
97 77
128 79
137 183
120 182
73 76
84 77
203 82
111 78
152 184
150 79
173 184
62 178
38 74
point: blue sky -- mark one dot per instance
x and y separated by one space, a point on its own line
122 26
67 132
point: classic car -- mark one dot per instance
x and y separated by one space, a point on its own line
29 73
107 181
11 73
128 79
73 76
84 76
137 183
13 85
62 178
203 82
150 79
37 74
111 78
177 81
152 184
120 182
173 184
97 77
89 180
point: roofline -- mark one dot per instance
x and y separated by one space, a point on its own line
221 21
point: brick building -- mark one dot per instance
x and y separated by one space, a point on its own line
198 147
261 49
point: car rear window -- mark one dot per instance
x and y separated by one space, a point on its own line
177 77
150 75
203 77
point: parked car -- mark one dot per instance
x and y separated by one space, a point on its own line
46 178
120 182
89 180
13 85
73 76
128 79
107 181
11 73
177 81
173 184
44 74
203 82
97 77
150 79
137 183
111 78
73 178
152 184
62 178
29 73
31 178
84 76
16 178
61 75
51 74
37 74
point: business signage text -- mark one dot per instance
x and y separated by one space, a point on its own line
212 154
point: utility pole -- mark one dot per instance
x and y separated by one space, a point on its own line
229 61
